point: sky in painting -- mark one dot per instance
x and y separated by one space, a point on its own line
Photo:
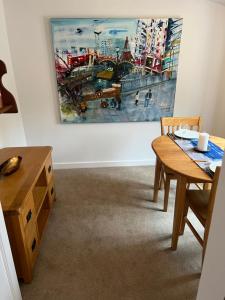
80 32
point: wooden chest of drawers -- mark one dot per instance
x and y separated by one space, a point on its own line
27 197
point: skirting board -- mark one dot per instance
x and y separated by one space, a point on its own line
102 164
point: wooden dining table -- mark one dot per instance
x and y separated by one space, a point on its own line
173 158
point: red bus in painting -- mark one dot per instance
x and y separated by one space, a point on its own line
77 61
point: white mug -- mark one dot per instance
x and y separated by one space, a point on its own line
203 141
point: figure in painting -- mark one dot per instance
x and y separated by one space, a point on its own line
118 99
137 98
113 103
148 97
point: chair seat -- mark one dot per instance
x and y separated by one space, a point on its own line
198 201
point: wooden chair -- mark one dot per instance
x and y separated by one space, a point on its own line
201 203
170 125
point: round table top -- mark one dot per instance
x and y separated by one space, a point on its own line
175 159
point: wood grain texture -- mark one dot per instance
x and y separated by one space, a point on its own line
23 180
157 179
178 210
176 160
170 124
26 204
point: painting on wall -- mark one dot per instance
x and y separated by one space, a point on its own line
116 70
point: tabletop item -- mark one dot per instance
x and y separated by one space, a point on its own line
203 141
10 166
186 134
215 164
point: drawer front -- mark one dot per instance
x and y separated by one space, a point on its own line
48 169
51 192
28 212
33 246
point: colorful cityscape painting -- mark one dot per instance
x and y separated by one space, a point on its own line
116 70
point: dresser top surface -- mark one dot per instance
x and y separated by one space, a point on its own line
15 187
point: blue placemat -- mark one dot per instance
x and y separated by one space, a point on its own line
215 152
202 159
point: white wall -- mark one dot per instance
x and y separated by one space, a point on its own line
216 90
220 108
212 279
30 41
215 85
11 125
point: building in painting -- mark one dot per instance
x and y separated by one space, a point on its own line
157 44
126 53
143 41
151 37
158 29
170 60
106 47
164 45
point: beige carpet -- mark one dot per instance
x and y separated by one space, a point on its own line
105 240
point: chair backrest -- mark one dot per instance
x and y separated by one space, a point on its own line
171 124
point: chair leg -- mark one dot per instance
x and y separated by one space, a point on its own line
206 186
158 168
205 240
166 194
182 226
161 183
203 250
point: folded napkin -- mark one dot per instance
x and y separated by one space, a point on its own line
215 151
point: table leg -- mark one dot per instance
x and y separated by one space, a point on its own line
178 210
206 186
157 179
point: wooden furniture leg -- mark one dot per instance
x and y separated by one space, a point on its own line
157 179
166 193
207 186
179 210
185 212
161 184
206 234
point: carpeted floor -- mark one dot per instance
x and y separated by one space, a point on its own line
106 240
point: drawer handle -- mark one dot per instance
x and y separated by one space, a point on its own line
29 215
49 169
52 191
33 244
